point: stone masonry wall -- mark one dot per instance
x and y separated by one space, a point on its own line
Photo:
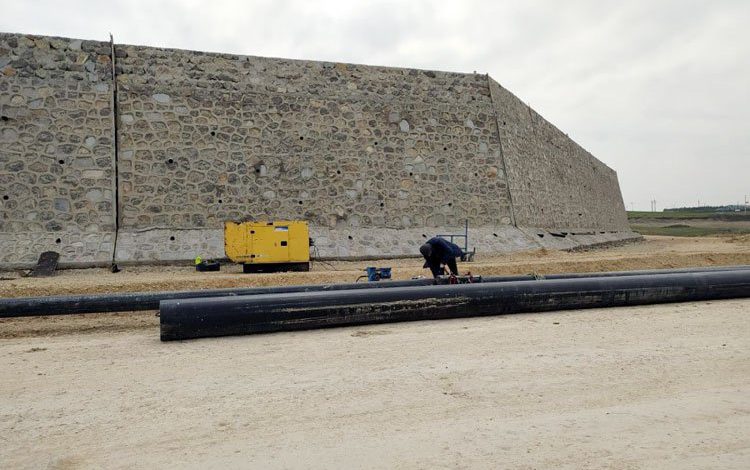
554 182
376 159
352 149
56 149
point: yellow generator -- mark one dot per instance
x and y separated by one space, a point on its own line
268 246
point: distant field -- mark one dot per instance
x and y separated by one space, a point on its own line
727 216
687 230
689 223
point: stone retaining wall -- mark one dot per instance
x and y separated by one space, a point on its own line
375 158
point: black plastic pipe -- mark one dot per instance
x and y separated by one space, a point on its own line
136 301
222 316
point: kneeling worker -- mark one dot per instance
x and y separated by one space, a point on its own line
438 251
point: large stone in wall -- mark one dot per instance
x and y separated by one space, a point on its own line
56 150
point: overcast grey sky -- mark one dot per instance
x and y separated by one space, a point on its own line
659 90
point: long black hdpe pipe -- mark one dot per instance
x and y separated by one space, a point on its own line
223 316
134 301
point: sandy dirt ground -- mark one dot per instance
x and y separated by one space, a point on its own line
662 386
643 387
652 253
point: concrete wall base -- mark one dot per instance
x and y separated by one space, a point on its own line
360 243
179 246
22 249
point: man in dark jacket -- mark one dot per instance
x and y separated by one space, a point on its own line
437 252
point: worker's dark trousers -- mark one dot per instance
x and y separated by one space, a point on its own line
437 267
452 266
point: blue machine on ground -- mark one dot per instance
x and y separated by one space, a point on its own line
376 274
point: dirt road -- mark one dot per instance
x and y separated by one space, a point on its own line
644 387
